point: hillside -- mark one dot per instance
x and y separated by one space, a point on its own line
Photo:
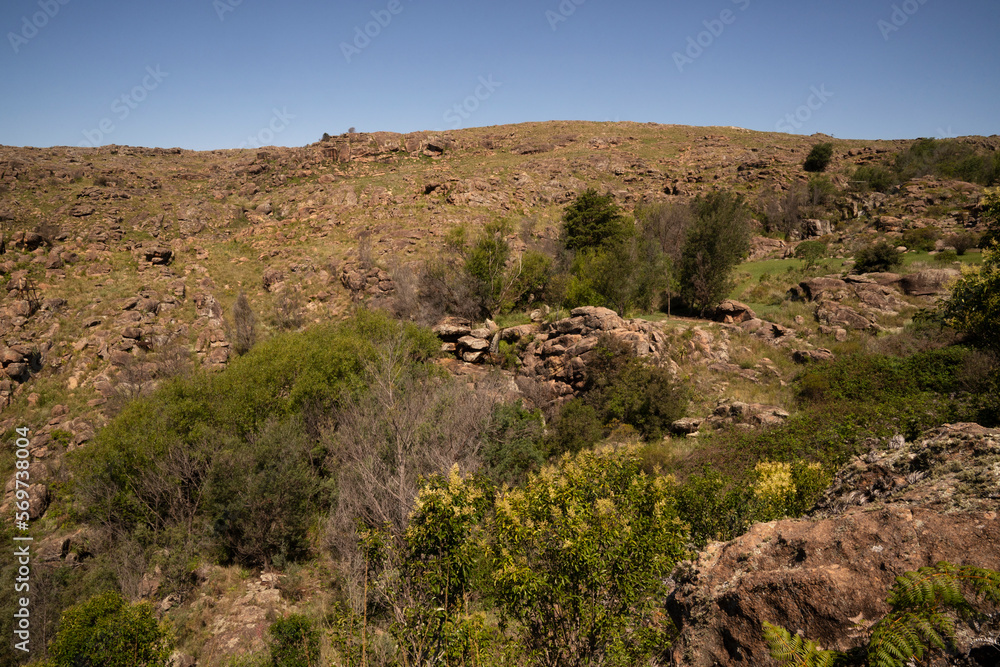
123 269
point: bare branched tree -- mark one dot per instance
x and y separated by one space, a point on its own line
409 424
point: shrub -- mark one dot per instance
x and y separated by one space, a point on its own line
946 257
819 157
811 252
718 240
974 305
514 444
821 190
205 449
921 238
625 389
877 258
592 220
962 242
579 556
624 275
260 497
990 207
576 428
948 158
873 177
107 631
294 642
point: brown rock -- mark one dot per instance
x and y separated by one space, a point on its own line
38 501
816 288
733 312
836 315
929 282
16 371
159 256
810 356
891 512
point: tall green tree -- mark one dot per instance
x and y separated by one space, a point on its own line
719 239
592 220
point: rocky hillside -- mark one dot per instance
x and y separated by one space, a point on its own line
121 267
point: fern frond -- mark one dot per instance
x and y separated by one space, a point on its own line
794 650
907 634
986 583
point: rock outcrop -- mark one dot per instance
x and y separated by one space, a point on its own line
897 510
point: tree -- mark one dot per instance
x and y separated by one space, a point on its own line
877 258
626 274
718 240
578 557
592 220
498 280
811 252
819 157
920 621
990 206
107 631
974 305
294 642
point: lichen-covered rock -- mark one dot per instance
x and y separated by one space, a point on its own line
899 509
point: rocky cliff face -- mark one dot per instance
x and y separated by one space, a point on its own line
900 508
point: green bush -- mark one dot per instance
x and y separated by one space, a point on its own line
873 177
821 190
974 305
623 275
990 206
819 157
811 252
238 451
921 238
877 258
962 242
625 389
592 220
514 444
294 642
948 158
576 428
107 631
718 240
261 496
579 557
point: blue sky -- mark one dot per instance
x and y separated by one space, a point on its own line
206 74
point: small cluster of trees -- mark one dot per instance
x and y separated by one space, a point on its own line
605 258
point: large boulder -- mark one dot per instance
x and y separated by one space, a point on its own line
894 511
733 312
929 282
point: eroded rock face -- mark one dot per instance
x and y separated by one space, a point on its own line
896 511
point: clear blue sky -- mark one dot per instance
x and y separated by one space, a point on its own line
206 74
